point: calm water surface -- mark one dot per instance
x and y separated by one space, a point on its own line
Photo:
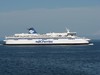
50 60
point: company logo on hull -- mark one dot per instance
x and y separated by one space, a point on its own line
43 41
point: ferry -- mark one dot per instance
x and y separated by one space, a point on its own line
34 38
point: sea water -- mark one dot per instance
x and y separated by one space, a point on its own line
50 60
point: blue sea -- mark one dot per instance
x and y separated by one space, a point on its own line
50 60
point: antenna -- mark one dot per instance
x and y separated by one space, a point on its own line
67 30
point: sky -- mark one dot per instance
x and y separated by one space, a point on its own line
81 16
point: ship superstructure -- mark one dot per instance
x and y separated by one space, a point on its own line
34 38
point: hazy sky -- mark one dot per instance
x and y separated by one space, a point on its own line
82 16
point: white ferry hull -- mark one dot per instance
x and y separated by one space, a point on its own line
47 42
33 38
